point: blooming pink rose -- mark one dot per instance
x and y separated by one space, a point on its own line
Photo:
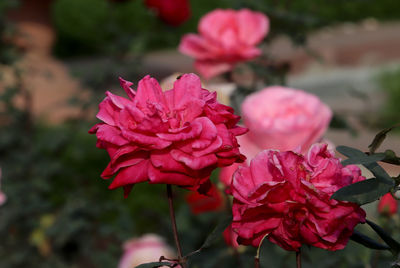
200 203
148 248
286 196
285 119
3 197
387 205
174 137
280 118
225 38
173 12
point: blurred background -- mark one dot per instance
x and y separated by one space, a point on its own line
58 57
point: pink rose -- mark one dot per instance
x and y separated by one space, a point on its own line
226 37
174 137
387 205
285 119
286 196
3 197
280 118
148 248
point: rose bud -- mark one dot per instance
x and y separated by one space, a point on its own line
387 205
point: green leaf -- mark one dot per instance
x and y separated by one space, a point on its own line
362 192
223 223
391 158
379 138
376 169
393 244
365 159
154 264
367 241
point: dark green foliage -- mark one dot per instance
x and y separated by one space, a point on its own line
390 85
95 26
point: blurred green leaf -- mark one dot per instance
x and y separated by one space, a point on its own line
154 264
223 223
367 241
379 138
377 170
365 159
393 244
362 192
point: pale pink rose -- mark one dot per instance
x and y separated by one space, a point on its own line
175 137
148 248
285 196
280 118
285 119
3 197
226 37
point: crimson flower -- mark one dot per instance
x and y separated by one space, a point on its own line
176 137
387 205
173 12
200 203
285 197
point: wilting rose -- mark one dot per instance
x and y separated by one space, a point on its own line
148 248
285 119
200 203
173 12
226 37
286 196
174 137
387 205
3 197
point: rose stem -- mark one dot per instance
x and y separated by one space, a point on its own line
173 222
298 258
256 262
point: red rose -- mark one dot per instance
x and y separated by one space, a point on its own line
286 196
173 12
200 203
175 137
387 205
226 37
230 237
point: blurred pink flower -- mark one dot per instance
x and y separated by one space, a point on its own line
285 119
226 37
148 248
387 205
286 197
280 118
3 197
